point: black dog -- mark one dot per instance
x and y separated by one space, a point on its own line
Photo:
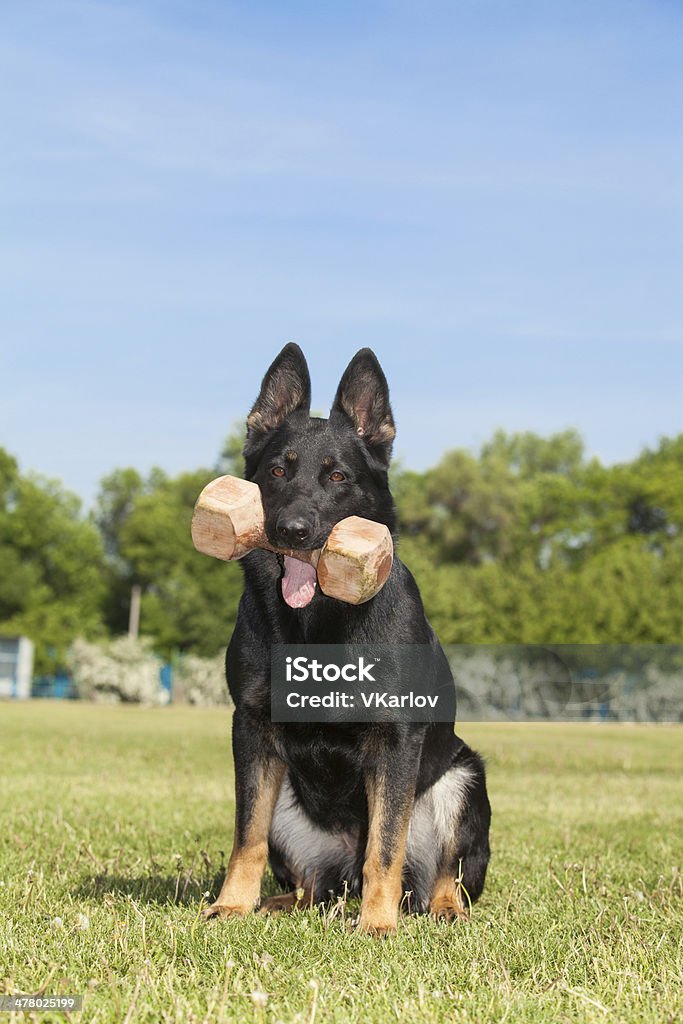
385 810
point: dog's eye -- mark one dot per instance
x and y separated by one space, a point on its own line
337 476
277 471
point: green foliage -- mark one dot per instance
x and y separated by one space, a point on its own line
51 565
189 601
533 543
231 461
527 541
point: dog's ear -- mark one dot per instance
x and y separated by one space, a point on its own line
363 396
286 388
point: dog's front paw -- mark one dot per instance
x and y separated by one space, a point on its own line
221 910
378 927
299 899
448 912
378 931
449 907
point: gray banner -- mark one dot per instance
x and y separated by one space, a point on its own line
493 682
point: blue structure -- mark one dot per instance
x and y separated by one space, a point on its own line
166 679
16 666
60 687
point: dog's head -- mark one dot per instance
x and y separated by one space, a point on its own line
314 472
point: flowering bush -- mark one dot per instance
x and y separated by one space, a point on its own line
201 680
117 670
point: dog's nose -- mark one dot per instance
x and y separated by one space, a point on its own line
294 531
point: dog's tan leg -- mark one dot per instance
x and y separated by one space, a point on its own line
242 886
389 813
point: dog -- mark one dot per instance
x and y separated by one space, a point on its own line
395 813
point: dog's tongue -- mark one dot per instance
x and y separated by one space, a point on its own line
298 582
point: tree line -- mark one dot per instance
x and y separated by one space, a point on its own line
526 541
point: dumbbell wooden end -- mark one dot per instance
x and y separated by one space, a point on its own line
228 518
356 560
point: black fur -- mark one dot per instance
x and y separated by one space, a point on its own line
327 765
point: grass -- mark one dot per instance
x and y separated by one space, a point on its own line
116 821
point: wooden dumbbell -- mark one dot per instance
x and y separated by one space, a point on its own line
352 566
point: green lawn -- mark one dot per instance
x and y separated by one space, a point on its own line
115 822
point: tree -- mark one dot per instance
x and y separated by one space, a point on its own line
52 581
526 541
231 460
529 542
189 601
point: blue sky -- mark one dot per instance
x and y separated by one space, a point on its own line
488 194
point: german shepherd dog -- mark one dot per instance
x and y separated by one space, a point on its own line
393 812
